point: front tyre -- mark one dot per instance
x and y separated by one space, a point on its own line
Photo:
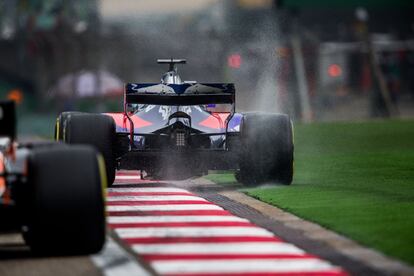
64 206
266 149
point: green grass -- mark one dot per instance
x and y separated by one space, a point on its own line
36 125
222 178
356 179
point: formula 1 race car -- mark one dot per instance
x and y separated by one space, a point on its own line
177 129
51 192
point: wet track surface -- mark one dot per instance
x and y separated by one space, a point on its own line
16 259
179 233
182 228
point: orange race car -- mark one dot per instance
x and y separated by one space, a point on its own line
51 192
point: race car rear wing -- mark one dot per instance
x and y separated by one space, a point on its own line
187 93
180 94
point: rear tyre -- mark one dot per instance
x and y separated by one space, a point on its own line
61 123
64 205
266 149
93 129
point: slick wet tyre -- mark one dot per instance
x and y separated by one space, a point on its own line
61 124
266 149
96 130
64 205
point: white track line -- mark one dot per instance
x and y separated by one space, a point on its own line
172 207
146 219
242 266
127 177
155 198
230 231
219 248
115 261
148 190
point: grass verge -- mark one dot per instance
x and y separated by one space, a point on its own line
354 178
222 178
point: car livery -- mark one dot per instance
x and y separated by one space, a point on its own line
180 129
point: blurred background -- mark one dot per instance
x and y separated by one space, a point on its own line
317 60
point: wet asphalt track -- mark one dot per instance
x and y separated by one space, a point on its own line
16 259
160 228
